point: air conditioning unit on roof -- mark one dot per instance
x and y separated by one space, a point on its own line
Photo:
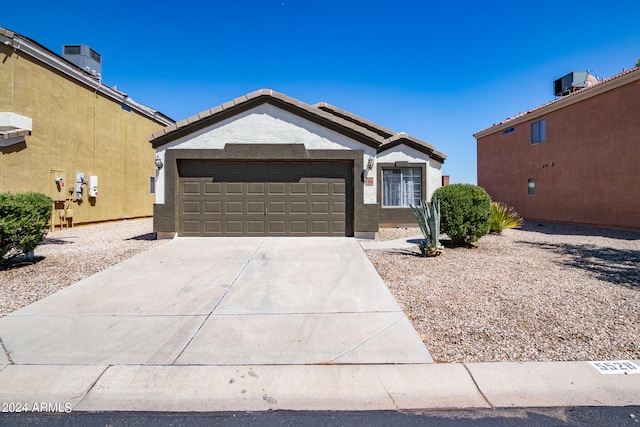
84 57
573 81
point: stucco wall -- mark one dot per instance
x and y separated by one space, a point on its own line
266 124
394 216
75 130
585 173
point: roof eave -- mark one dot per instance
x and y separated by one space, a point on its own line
414 143
252 100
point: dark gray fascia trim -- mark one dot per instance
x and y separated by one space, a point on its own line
435 155
228 111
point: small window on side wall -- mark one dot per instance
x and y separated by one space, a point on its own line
531 187
539 131
152 185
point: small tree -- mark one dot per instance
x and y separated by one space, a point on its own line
466 212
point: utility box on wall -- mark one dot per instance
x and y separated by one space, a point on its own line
93 186
58 185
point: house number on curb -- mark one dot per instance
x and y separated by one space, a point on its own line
616 367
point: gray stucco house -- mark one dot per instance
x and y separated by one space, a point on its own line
268 164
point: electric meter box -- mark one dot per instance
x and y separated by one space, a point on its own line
93 186
57 182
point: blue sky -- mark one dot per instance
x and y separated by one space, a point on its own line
439 71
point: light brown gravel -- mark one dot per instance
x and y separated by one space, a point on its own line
541 293
71 255
397 233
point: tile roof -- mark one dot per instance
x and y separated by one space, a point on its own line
565 98
322 113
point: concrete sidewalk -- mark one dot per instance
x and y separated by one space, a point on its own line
316 387
254 324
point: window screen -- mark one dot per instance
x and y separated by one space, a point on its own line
401 186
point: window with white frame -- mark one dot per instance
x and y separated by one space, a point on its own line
401 187
539 131
152 185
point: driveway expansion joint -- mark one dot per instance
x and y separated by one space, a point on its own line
235 279
367 339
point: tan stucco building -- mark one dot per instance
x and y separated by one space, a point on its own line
573 160
58 122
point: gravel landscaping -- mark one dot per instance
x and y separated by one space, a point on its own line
540 293
544 292
71 255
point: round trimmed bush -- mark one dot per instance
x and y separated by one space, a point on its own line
465 211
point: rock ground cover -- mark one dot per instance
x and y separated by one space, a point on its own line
544 292
70 255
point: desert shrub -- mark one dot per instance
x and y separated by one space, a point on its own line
465 212
24 219
503 217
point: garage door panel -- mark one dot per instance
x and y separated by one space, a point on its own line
191 227
339 226
319 188
255 208
212 207
277 208
255 227
298 207
190 207
233 207
256 188
319 227
277 188
272 198
299 188
319 208
212 188
191 187
234 226
234 188
277 227
212 227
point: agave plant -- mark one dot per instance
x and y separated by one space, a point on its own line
428 217
503 217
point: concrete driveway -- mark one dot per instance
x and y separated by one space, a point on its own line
221 301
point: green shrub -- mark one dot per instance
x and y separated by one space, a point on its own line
466 212
23 221
503 217
428 217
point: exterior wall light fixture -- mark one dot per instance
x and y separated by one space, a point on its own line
159 163
370 163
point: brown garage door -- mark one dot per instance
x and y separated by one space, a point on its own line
229 198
